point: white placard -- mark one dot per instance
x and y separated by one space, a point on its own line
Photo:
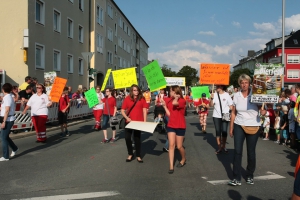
264 98
142 126
180 81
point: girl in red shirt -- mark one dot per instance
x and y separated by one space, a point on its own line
109 110
175 110
138 113
203 111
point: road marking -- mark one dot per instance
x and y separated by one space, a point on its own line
76 196
272 176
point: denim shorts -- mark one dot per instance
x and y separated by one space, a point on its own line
105 123
178 131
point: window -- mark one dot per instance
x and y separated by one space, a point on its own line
40 11
81 5
56 60
80 66
99 15
80 34
116 28
295 41
70 63
110 34
120 42
99 43
70 28
120 22
116 48
109 57
293 59
110 11
293 74
56 21
39 56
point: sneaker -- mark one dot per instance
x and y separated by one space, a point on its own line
250 181
112 140
165 149
105 141
234 182
3 159
266 139
13 153
277 142
67 133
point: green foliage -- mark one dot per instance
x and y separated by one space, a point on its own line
189 73
167 71
235 75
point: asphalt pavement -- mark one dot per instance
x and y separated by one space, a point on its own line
80 167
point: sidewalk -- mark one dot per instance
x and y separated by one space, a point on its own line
51 127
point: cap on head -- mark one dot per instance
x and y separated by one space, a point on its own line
203 95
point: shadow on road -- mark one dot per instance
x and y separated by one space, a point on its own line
237 196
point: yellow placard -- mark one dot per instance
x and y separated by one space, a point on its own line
124 77
106 79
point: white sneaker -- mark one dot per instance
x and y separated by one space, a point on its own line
3 159
266 139
13 153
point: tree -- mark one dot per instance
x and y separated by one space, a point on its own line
167 71
235 75
189 73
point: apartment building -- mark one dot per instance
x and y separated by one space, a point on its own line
50 35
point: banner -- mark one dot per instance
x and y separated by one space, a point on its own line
105 79
49 80
180 81
267 82
214 73
154 76
197 92
142 126
124 77
91 97
57 88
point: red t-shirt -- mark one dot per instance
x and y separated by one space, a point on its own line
136 114
158 103
205 101
63 102
112 103
176 118
271 116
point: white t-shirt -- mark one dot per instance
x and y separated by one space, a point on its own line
277 124
100 105
247 112
226 101
266 122
38 104
8 101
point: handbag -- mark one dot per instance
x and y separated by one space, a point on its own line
250 129
123 123
1 119
113 121
225 116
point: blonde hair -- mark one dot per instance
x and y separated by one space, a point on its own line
244 77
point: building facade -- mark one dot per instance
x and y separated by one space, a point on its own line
51 35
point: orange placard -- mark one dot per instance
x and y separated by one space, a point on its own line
214 73
57 88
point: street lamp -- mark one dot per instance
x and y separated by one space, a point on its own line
283 40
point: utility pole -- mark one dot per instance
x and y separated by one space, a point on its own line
283 42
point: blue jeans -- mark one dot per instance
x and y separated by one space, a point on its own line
251 140
6 141
221 127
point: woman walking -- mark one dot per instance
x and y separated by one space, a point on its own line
244 124
175 110
110 109
136 106
63 110
7 121
39 104
98 109
222 103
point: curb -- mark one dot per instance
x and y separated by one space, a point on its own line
30 133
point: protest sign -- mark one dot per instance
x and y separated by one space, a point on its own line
214 73
197 92
49 80
106 79
57 89
142 126
267 82
91 97
180 81
154 76
124 77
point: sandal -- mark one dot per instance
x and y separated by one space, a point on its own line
219 151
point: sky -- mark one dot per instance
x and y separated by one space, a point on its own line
189 32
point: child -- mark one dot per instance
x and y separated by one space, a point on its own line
266 126
291 118
285 124
277 125
203 111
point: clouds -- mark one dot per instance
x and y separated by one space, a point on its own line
211 33
236 24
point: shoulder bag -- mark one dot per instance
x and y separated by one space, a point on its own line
123 120
225 116
113 121
250 129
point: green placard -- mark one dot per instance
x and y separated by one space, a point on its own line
91 97
197 92
154 76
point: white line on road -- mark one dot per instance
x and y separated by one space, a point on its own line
257 178
76 196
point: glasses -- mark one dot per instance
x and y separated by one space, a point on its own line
135 90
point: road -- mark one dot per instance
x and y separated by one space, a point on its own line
80 167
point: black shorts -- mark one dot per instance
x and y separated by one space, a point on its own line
177 131
62 117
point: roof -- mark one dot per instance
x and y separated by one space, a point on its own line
293 41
